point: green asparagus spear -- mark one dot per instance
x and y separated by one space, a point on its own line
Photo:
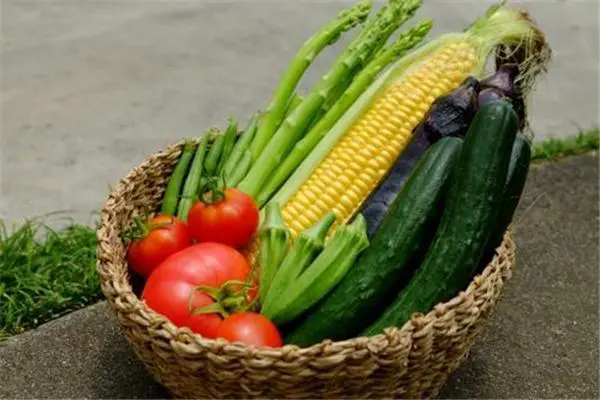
293 104
327 35
241 169
405 43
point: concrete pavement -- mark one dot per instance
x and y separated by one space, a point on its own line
91 88
542 342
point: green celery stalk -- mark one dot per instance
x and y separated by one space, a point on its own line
306 248
347 242
327 35
405 42
299 120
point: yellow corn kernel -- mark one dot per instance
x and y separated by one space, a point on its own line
353 168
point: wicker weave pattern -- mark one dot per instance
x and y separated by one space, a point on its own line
408 362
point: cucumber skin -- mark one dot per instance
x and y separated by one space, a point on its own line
357 297
471 210
518 169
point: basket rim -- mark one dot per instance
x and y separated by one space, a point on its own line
416 321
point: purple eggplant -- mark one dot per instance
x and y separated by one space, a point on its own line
489 95
502 84
450 115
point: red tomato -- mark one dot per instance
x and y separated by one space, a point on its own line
169 290
166 235
232 220
250 328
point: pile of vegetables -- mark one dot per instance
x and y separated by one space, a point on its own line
344 211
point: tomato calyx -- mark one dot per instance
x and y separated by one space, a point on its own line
140 229
213 190
229 298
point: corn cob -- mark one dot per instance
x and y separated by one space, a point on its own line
347 165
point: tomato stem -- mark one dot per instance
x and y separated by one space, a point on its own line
213 190
213 292
225 298
151 227
213 308
232 303
140 225
141 229
226 287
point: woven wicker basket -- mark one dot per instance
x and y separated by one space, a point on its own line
413 361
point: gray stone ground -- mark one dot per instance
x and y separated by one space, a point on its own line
541 343
91 88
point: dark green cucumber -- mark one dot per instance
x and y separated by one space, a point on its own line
518 168
470 212
355 300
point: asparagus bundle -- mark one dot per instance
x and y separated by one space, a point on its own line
360 50
330 33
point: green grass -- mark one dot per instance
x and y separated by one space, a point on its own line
45 273
554 149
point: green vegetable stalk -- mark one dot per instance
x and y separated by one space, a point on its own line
228 142
242 144
171 197
212 158
324 273
327 35
293 104
305 249
241 169
296 124
273 247
405 42
192 181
